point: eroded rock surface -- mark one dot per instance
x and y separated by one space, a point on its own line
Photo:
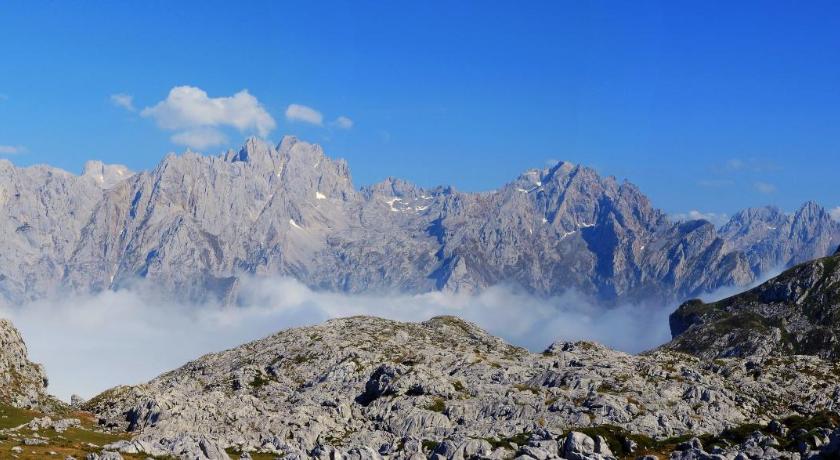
22 383
368 387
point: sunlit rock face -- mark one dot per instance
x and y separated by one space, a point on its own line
408 390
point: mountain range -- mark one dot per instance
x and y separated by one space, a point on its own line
195 225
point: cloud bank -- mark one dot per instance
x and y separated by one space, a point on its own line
197 117
93 342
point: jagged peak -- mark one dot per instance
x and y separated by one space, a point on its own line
294 149
538 176
253 150
106 175
287 142
561 167
393 187
811 208
760 212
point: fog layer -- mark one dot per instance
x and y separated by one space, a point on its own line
93 342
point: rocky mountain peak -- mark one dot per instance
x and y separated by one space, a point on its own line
559 168
745 221
394 187
305 168
257 153
809 215
106 175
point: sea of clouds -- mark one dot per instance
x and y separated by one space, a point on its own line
89 343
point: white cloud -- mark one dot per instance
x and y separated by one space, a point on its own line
199 138
125 101
12 149
135 338
715 218
302 113
190 111
343 122
835 213
765 188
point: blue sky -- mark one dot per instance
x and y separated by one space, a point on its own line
709 106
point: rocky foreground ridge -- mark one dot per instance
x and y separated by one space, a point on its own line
34 425
797 312
366 387
22 383
196 225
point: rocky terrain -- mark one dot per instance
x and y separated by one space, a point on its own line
365 387
797 312
22 383
34 425
195 225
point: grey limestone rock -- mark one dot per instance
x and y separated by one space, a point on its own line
196 225
22 383
353 384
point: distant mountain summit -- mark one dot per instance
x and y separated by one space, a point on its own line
195 225
772 239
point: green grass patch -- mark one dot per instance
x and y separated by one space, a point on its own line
438 405
11 416
429 446
508 443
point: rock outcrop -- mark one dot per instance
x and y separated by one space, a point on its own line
23 384
195 225
798 312
366 387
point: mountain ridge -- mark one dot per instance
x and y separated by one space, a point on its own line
196 224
